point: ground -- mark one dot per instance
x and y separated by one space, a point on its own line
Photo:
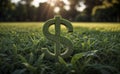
96 49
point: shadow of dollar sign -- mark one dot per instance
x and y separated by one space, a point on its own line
57 39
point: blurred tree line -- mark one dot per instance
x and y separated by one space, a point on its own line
96 10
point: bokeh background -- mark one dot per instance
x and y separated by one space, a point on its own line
73 10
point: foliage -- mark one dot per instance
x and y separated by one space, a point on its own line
24 11
108 11
96 49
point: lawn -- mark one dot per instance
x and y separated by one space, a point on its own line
96 49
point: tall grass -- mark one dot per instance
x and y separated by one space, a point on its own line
96 49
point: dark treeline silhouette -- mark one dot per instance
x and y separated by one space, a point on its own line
96 11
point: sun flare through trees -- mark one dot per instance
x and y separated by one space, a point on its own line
73 10
56 4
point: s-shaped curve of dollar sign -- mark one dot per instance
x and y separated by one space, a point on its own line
57 39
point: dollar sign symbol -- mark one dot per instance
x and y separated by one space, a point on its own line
57 38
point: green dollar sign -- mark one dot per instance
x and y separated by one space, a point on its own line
57 39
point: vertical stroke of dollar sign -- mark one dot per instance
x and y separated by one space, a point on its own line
57 39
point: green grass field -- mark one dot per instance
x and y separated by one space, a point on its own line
96 49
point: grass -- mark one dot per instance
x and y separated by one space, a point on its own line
96 49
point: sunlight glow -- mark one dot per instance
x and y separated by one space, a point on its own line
52 4
36 2
66 2
81 6
15 1
42 1
67 7
56 9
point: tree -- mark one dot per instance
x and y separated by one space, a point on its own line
44 12
6 9
108 11
29 9
73 12
90 4
83 17
20 13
